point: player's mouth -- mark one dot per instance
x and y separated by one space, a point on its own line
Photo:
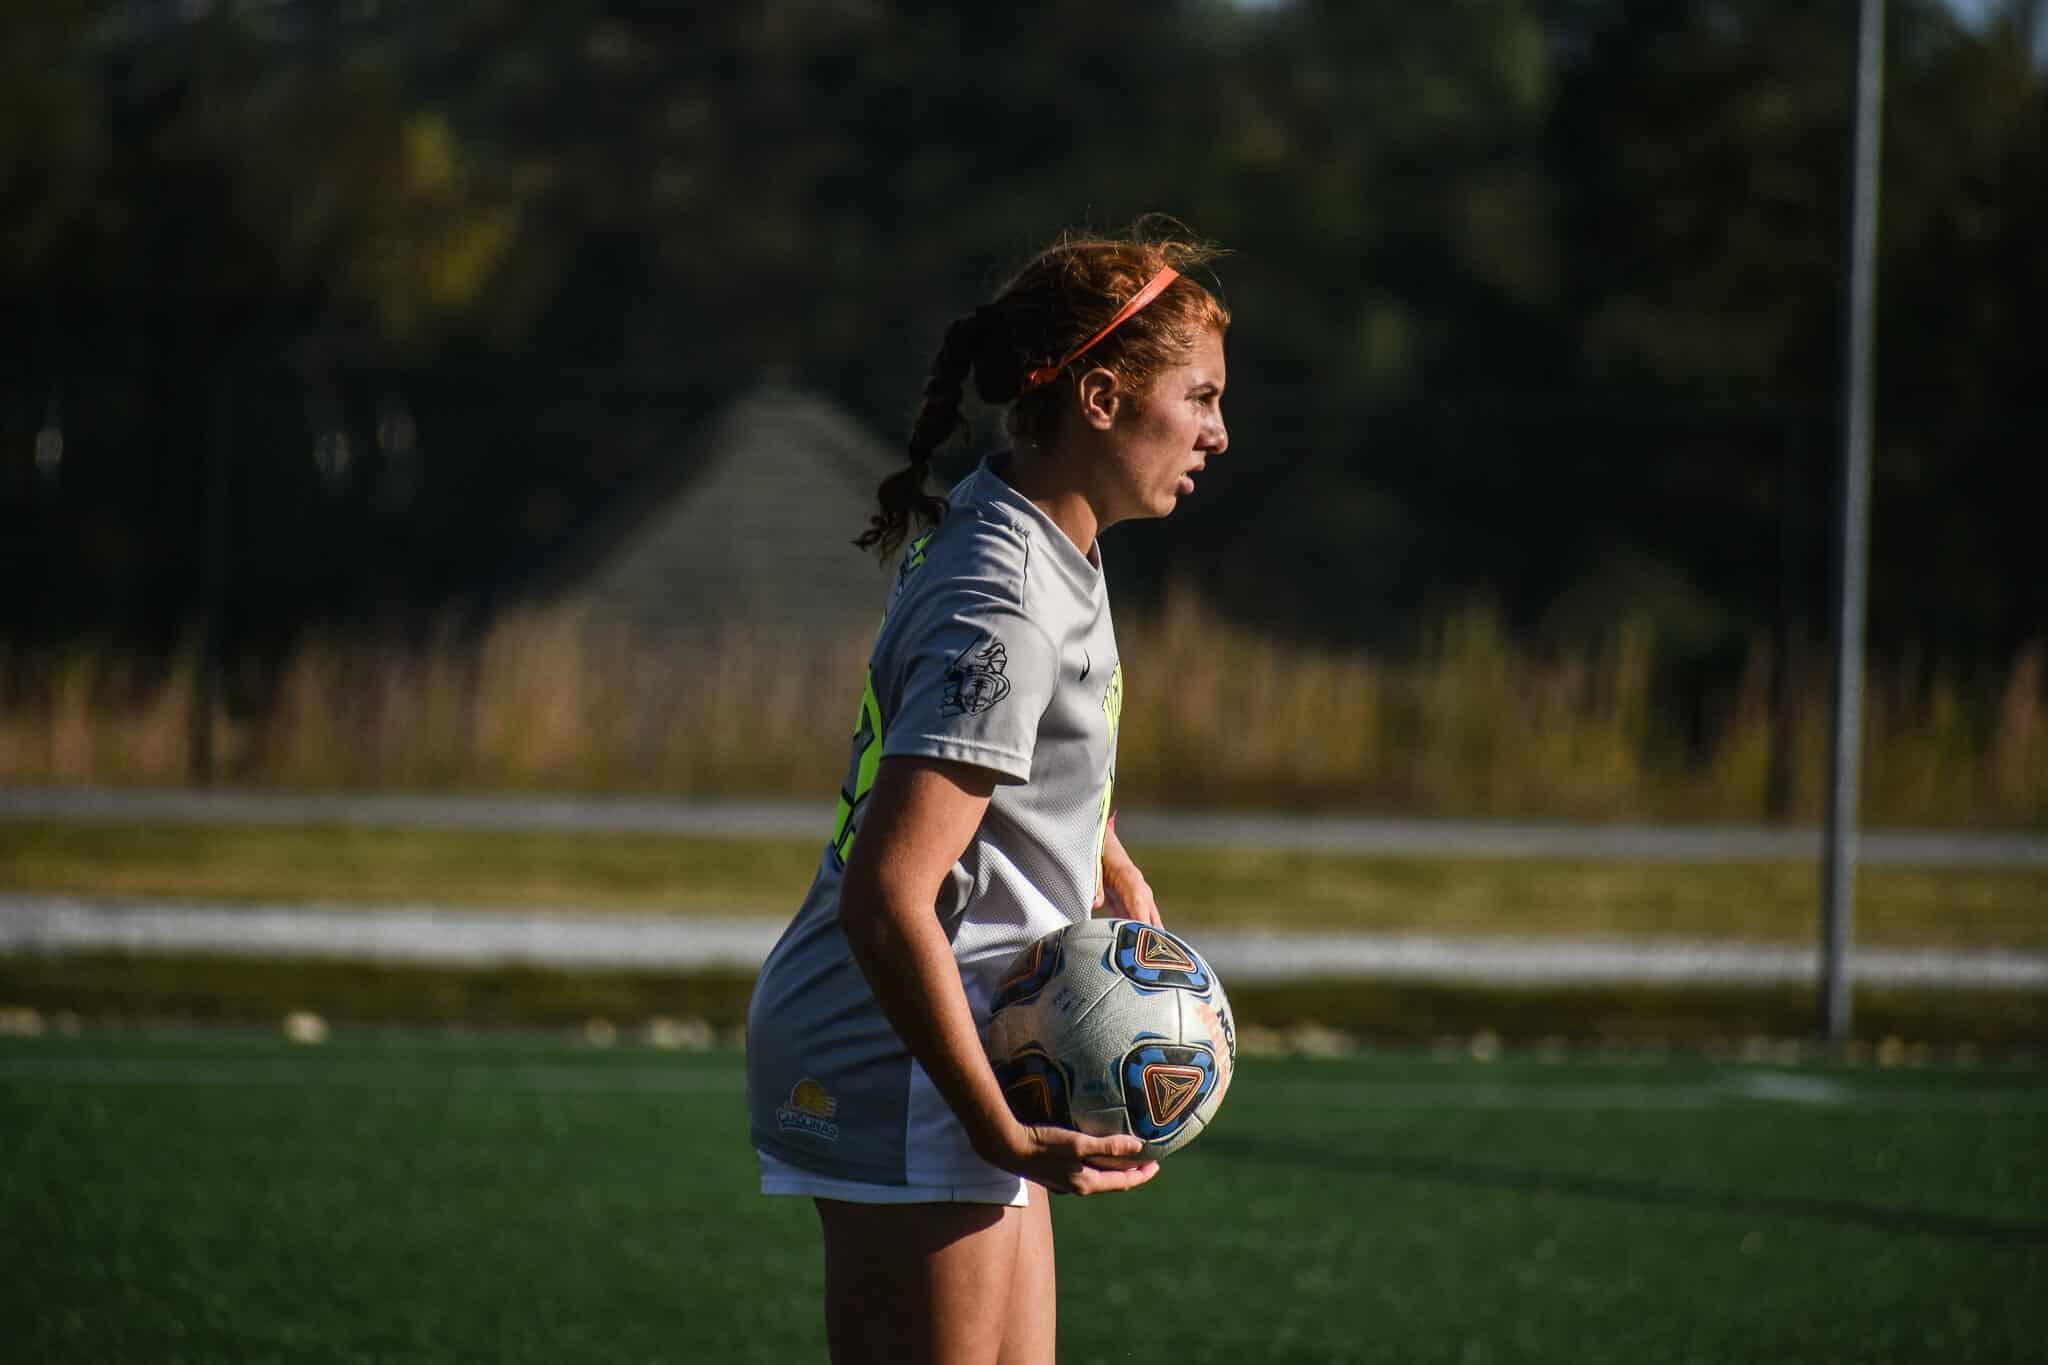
1187 481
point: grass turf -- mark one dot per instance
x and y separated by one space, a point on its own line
1906 906
411 1199
231 991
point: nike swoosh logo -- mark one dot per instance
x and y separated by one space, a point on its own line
1087 665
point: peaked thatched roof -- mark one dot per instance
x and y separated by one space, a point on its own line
760 534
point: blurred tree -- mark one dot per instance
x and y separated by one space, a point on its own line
52 139
1961 569
1538 300
1724 293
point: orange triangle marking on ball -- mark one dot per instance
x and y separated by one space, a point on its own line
1161 954
1169 1090
1024 966
1031 1098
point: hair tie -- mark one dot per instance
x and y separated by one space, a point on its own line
1154 287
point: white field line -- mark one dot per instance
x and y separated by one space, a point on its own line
1395 838
1629 1098
397 934
435 935
315 1070
1779 1085
1594 961
401 810
1184 829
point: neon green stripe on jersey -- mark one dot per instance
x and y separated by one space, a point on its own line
1113 712
867 737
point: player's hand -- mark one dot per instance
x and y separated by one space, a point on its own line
1125 893
1068 1162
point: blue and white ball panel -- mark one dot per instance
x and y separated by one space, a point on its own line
1036 1087
1027 976
1164 1087
1129 1019
1156 960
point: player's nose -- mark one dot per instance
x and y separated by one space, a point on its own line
1215 437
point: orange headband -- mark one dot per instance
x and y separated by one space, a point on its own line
1154 287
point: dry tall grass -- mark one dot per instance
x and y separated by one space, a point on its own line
1219 715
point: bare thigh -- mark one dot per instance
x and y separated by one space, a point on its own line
1031 1333
934 1284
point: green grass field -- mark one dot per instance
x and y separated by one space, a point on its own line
411 1198
1239 888
137 989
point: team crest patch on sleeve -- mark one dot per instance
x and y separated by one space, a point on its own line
811 1109
975 681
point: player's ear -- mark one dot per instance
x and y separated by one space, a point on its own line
1100 397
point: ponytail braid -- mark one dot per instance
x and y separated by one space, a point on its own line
1077 293
902 495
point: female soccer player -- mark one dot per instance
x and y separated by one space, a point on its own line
975 816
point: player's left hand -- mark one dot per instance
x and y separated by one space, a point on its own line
1125 892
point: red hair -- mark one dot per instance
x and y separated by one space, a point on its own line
1063 295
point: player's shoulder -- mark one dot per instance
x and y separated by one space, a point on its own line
981 550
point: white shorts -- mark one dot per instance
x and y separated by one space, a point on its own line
779 1177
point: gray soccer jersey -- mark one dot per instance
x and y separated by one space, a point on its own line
996 650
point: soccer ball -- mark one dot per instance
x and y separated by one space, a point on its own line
1112 1026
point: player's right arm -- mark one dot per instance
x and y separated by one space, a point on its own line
918 820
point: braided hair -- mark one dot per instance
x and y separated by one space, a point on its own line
903 494
1063 295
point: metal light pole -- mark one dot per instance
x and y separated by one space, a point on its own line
1838 875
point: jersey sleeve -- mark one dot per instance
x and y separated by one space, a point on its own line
972 684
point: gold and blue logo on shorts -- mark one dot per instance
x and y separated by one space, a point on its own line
811 1109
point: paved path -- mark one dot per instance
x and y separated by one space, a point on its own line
426 934
803 820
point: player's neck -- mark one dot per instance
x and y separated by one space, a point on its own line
1068 507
